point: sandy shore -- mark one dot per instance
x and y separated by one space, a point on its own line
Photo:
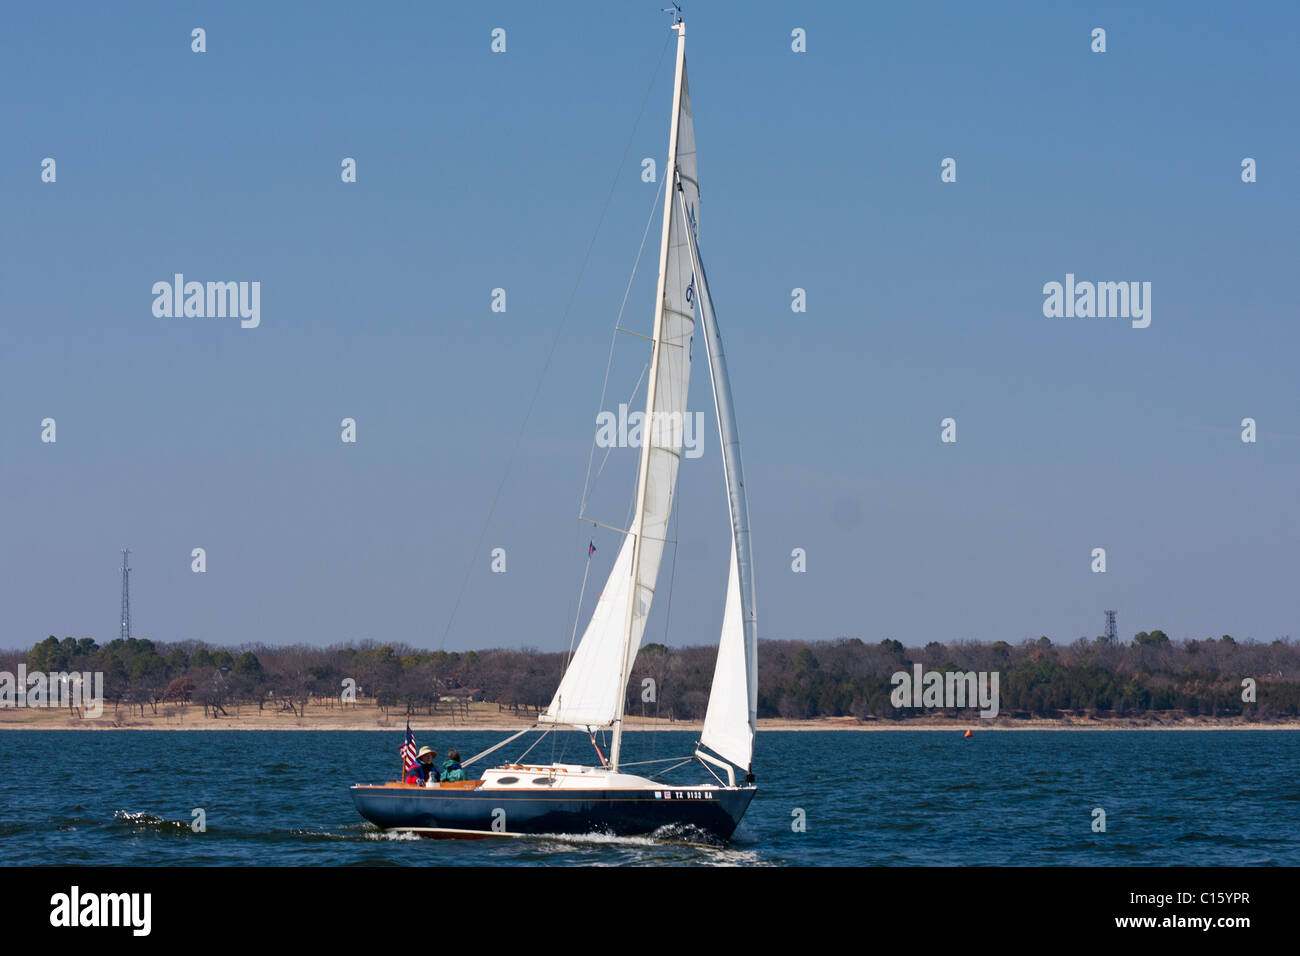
486 717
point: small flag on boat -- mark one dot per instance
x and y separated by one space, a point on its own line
408 748
591 548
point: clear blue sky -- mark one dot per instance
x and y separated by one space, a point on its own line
478 170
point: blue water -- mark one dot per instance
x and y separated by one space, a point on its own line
1022 798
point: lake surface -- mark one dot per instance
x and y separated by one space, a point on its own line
273 798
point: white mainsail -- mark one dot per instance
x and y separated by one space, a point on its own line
592 689
587 695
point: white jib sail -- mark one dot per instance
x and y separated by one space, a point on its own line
730 720
591 691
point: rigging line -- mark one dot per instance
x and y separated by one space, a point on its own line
642 763
660 773
604 392
613 338
604 387
710 770
608 451
555 341
466 763
520 758
627 519
581 591
573 636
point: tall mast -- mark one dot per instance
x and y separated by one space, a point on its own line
638 520
125 629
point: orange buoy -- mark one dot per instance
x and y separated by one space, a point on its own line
969 733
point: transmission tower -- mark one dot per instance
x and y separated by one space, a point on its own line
126 596
1110 627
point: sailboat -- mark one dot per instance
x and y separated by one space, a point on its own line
521 798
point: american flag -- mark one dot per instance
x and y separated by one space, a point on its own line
408 748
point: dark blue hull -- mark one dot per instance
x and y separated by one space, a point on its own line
619 812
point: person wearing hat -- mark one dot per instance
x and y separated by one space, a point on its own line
451 769
423 767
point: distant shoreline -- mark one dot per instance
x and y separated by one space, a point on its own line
482 718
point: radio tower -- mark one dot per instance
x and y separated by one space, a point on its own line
126 596
1110 627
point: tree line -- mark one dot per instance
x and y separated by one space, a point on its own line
1216 677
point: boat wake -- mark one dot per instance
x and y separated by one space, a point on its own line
374 833
361 831
672 834
150 822
743 835
682 843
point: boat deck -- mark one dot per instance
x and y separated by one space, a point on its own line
442 785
